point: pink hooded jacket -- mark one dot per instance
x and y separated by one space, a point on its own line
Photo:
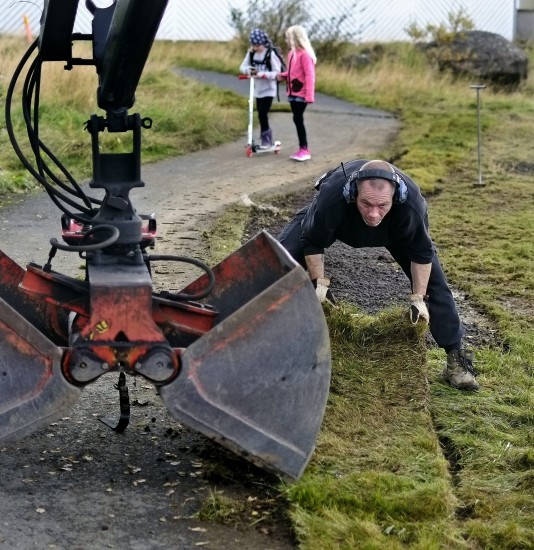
300 75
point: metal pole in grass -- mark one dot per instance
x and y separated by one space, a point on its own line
478 87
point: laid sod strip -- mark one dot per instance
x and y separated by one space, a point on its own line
379 478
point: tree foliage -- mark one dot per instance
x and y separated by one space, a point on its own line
456 22
272 17
329 37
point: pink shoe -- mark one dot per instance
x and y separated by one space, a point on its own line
301 155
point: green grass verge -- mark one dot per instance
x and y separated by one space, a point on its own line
402 459
181 123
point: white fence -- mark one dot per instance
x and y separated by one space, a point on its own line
381 20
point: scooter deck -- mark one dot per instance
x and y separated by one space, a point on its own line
258 150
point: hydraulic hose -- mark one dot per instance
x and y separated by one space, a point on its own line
195 262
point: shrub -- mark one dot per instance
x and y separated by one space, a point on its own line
329 37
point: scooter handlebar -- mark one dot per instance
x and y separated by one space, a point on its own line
246 76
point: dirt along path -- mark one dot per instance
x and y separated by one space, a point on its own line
77 484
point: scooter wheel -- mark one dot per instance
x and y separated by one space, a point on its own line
249 151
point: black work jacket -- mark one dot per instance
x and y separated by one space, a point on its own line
330 217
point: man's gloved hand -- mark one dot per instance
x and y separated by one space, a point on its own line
322 290
418 309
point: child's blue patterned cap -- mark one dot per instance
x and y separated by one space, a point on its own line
259 38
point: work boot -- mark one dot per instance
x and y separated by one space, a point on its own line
459 372
266 139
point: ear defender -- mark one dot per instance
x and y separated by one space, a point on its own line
350 189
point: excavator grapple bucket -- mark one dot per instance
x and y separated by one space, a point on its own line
257 383
33 391
242 354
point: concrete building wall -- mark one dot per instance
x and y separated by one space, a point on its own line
525 20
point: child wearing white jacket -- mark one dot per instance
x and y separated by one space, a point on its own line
263 63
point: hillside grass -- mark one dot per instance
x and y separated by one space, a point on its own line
400 462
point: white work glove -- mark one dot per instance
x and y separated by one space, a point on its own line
322 291
418 309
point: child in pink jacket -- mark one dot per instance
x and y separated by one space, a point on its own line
300 83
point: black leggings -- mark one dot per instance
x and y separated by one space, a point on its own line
298 108
263 105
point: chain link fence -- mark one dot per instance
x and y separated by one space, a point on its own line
370 20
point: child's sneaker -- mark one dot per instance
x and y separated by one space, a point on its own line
301 155
266 139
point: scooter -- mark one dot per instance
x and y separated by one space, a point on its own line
254 148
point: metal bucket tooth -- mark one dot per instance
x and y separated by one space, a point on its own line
258 382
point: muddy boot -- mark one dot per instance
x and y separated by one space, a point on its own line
459 372
266 139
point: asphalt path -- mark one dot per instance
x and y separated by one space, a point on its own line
323 103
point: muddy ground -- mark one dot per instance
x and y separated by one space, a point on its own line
79 485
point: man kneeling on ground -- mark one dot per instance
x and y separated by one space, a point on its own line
373 204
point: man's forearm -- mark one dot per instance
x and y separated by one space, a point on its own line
420 276
315 265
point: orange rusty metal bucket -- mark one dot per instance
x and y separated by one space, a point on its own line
256 380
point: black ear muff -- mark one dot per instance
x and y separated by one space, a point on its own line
350 190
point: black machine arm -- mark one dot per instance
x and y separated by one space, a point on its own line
122 36
126 50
